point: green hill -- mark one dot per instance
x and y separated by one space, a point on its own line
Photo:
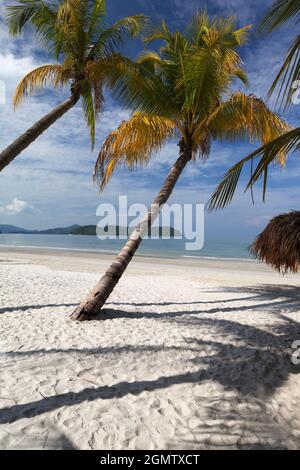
82 230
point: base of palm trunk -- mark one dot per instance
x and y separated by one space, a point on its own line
80 314
90 307
88 310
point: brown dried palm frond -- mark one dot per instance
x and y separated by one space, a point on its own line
279 244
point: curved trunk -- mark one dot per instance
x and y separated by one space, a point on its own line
22 142
90 306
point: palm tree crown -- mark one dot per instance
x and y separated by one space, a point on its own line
76 32
184 90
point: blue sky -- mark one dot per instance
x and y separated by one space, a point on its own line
50 184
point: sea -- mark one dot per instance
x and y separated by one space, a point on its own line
174 248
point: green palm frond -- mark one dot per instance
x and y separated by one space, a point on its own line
219 30
135 87
282 11
288 76
110 38
161 33
96 17
149 58
38 12
203 80
210 68
89 110
241 35
42 15
284 144
241 74
224 193
199 24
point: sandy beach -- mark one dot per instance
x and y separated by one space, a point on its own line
191 354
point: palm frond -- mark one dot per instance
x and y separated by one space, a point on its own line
54 75
42 15
202 79
222 30
110 38
149 58
132 144
224 193
288 76
211 67
245 116
284 144
89 111
71 26
241 74
241 35
135 86
282 11
199 24
35 11
161 33
97 16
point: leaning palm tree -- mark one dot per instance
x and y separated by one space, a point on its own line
76 32
283 11
183 92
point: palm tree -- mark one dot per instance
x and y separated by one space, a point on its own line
183 91
76 32
282 11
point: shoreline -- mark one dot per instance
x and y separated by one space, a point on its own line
97 255
211 269
49 250
16 248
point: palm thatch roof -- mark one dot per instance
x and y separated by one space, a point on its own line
279 244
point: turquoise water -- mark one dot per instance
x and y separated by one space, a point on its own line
213 248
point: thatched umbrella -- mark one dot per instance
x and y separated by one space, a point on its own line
279 244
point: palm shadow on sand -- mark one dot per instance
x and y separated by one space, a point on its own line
25 308
271 349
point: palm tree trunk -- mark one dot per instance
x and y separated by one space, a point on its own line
22 142
90 306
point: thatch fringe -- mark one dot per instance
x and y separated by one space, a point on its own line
279 244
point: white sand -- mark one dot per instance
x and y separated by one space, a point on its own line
193 355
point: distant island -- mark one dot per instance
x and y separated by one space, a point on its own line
83 230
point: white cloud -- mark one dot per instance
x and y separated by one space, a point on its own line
17 206
13 68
